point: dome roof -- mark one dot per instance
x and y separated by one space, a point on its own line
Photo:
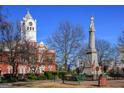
41 43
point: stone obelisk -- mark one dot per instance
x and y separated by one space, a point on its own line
92 52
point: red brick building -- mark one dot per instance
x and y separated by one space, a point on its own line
45 62
45 56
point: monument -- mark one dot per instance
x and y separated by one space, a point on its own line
91 66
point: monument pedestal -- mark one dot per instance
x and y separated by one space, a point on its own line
92 71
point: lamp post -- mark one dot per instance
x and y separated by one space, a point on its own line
63 74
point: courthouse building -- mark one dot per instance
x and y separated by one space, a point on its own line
29 32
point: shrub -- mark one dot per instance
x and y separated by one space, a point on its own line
21 77
9 78
32 76
3 80
82 76
49 75
61 74
41 77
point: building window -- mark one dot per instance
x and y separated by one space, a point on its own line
27 28
30 28
30 23
23 24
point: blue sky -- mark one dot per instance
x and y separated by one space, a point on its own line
109 20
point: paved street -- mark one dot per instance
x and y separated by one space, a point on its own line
58 84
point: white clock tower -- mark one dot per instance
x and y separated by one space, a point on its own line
28 28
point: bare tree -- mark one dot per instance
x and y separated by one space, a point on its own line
28 54
83 53
10 39
121 40
121 46
2 16
3 26
67 41
106 52
115 54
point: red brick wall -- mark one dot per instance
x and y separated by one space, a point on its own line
51 67
23 69
5 69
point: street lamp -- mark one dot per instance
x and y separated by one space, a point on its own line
63 74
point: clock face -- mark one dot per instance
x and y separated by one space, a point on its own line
30 23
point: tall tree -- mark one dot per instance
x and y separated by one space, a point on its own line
121 46
3 26
11 39
67 41
121 40
105 51
28 53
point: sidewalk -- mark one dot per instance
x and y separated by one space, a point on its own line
59 84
